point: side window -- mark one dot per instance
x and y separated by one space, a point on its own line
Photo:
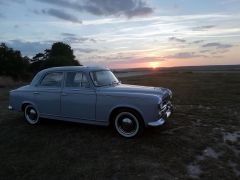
52 79
76 80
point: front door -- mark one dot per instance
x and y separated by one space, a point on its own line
78 99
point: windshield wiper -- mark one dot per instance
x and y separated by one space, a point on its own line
115 82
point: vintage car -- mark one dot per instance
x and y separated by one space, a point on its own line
91 95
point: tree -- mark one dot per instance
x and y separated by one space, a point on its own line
60 54
12 63
61 49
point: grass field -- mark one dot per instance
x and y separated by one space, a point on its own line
200 141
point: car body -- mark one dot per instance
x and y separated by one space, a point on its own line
91 95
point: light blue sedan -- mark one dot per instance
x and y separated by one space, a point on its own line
92 95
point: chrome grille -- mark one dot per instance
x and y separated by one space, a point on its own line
165 99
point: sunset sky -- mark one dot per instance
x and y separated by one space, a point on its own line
127 33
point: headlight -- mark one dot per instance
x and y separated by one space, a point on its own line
160 103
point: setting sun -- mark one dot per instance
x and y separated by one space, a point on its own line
154 65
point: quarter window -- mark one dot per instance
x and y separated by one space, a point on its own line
52 79
76 79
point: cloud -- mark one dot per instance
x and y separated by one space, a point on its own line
118 59
68 34
176 39
220 51
61 15
218 45
16 26
75 39
125 60
1 15
218 48
203 28
84 50
18 1
72 38
28 48
184 55
205 51
2 2
229 1
198 41
128 8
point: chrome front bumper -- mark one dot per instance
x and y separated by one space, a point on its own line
164 113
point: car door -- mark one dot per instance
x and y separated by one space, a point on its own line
47 94
78 99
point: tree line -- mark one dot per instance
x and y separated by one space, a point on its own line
13 64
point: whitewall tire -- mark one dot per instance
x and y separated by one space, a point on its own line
128 124
31 115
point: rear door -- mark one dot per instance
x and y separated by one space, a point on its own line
78 99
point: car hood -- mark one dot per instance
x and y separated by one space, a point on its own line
22 88
126 88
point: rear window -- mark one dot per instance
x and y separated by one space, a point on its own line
52 79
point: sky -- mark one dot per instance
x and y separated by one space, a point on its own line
127 33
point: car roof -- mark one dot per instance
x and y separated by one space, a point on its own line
76 68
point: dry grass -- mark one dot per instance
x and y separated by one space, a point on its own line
6 81
200 141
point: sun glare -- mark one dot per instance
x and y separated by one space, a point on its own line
154 65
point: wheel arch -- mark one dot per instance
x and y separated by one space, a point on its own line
25 103
117 109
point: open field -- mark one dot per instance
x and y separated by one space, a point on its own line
181 69
200 141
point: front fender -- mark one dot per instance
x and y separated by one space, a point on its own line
146 105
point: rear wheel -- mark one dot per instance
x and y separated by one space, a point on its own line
128 124
31 115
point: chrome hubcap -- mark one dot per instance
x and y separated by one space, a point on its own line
31 115
33 112
127 124
127 121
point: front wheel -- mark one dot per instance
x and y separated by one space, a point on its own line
128 124
31 115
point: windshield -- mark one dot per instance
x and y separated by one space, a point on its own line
104 78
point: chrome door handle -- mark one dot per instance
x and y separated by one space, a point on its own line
64 94
35 92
